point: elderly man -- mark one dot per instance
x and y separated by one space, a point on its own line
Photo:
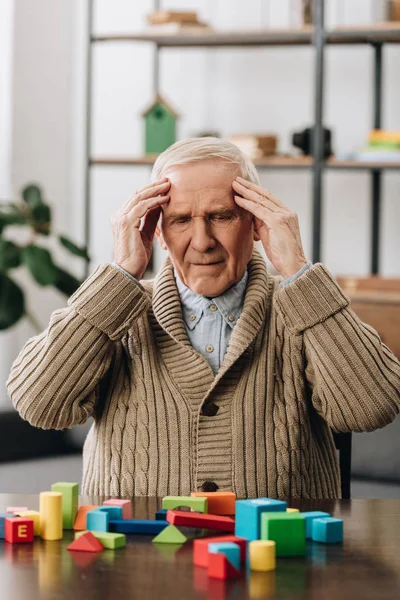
216 375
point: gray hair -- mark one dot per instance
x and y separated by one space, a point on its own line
204 148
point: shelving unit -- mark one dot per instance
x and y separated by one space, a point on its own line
319 38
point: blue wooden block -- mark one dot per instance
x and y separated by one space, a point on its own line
97 520
309 517
2 524
248 515
114 512
229 549
142 527
327 530
161 514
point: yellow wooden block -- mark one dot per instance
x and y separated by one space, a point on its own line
292 510
51 516
35 516
262 555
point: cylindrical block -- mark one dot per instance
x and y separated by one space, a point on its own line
262 555
51 516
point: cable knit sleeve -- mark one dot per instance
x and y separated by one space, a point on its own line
355 378
54 381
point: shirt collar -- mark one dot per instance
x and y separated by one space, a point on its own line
229 304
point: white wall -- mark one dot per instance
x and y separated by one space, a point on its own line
231 90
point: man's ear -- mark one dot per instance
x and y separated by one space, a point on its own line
256 237
160 238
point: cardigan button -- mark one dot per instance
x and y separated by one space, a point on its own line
209 409
209 486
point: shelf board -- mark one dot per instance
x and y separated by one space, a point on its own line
388 32
273 162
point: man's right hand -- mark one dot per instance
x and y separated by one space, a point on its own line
133 246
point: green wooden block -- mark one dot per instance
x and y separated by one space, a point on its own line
69 493
198 504
170 535
109 540
287 530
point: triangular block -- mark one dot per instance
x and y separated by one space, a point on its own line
86 543
170 535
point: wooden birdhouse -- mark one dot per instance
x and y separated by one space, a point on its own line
160 126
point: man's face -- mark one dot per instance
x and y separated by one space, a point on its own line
203 224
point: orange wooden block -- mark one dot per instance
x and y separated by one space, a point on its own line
219 503
86 543
18 530
80 521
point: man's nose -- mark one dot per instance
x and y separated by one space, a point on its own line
202 235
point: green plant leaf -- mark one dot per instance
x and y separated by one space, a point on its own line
12 304
41 218
11 215
66 283
73 248
40 264
10 255
32 194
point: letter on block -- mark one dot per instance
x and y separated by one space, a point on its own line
18 530
126 506
197 504
97 520
229 549
35 516
69 492
327 530
248 513
262 555
51 517
287 530
219 503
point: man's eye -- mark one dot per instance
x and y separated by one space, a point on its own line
217 218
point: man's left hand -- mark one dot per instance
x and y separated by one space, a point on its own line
275 223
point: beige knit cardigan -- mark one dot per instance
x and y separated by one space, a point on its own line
299 363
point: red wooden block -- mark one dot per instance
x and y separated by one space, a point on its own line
204 521
219 567
200 548
87 542
18 530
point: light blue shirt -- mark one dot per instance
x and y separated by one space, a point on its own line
209 321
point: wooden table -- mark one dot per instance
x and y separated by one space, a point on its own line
366 566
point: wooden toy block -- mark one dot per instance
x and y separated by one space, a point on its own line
35 516
219 503
86 543
229 549
248 514
219 567
197 504
3 517
170 535
292 510
328 530
262 554
203 521
69 493
200 548
114 512
141 527
16 509
18 530
126 506
80 521
309 517
97 520
112 541
161 515
287 530
51 516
